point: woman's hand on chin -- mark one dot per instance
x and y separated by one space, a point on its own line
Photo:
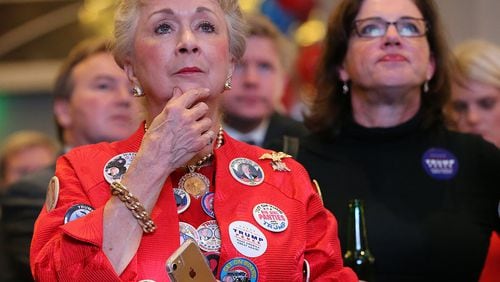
181 130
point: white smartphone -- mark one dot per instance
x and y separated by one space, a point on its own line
187 263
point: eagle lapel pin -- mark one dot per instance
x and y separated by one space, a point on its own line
276 162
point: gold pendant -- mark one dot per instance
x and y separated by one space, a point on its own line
194 183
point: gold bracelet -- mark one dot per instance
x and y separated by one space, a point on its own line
133 204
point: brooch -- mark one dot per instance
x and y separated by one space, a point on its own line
276 162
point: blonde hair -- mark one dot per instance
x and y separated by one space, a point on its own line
478 60
21 140
126 24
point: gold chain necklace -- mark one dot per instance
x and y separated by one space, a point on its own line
208 157
194 182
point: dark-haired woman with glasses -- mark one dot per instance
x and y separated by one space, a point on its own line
431 195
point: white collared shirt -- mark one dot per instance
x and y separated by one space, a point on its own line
257 135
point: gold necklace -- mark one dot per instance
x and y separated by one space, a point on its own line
208 157
194 182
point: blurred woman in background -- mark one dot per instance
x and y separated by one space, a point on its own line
431 194
474 107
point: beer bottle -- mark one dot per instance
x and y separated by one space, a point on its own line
358 255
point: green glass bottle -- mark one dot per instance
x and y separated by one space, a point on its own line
358 255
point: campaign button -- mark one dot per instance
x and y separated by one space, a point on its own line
306 271
207 204
77 211
247 238
440 163
116 167
213 261
52 194
246 171
239 269
187 231
270 217
209 235
182 200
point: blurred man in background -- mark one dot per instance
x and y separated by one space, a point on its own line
93 102
252 107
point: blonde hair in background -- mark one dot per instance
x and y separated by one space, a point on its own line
126 22
478 60
24 139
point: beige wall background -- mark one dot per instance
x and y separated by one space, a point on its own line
463 19
466 19
25 101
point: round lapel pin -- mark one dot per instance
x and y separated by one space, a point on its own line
77 211
52 194
440 163
306 271
246 171
207 204
239 269
209 234
270 217
247 238
182 200
116 167
187 231
213 261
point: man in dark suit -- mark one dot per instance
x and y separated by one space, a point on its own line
92 103
252 109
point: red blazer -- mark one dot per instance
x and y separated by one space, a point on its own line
73 251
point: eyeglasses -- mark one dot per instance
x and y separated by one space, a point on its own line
377 27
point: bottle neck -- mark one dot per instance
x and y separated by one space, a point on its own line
357 239
358 255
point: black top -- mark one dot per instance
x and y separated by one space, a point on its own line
21 205
431 196
281 125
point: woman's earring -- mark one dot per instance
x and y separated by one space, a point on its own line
228 85
345 88
137 91
426 86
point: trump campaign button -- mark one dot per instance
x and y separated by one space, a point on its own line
209 235
440 163
270 217
247 238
